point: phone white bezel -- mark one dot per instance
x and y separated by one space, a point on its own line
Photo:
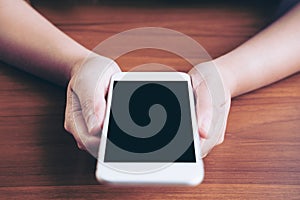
183 173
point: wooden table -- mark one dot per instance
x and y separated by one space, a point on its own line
260 158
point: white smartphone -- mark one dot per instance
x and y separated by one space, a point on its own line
150 133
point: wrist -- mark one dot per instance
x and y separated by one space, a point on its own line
77 62
228 76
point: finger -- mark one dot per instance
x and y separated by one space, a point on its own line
75 124
203 103
216 136
204 110
208 144
90 86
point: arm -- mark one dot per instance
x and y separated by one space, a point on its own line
31 43
269 56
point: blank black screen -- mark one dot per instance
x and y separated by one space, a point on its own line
150 122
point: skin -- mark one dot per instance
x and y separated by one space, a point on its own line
275 49
24 45
269 56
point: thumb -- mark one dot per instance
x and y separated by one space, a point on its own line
90 86
204 110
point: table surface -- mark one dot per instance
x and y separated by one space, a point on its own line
259 159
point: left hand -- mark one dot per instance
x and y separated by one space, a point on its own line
86 103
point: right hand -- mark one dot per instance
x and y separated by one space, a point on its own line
212 104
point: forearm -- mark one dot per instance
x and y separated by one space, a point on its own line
33 44
269 56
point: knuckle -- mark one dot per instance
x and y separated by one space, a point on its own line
221 140
87 105
67 121
67 126
80 146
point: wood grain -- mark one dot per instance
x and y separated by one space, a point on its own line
260 156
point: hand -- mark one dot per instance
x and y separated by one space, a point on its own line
212 104
86 103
